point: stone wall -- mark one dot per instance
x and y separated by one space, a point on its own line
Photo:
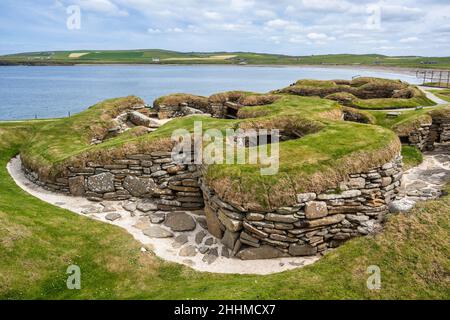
152 175
315 223
427 135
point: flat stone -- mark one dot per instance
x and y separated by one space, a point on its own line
101 183
180 221
113 216
305 197
281 218
343 195
200 236
146 206
138 186
302 250
203 249
157 232
356 183
225 252
108 207
130 206
211 256
157 217
209 242
180 240
91 209
263 252
188 251
202 222
334 219
316 209
230 224
402 205
255 216
142 224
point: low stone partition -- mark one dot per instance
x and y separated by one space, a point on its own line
153 175
428 134
315 223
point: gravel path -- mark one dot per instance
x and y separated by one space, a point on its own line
194 247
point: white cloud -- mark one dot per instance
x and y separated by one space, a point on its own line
212 15
409 40
151 30
319 37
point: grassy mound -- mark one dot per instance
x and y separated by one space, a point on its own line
37 245
363 93
321 151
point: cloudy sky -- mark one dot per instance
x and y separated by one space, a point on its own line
297 27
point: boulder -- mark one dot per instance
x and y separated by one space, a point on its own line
189 111
140 119
101 183
179 221
316 209
138 186
263 252
402 205
157 232
76 186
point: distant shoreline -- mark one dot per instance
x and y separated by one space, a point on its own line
393 69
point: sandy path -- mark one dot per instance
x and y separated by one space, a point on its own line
164 248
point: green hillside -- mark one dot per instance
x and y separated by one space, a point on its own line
156 56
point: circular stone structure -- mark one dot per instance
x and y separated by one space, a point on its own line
335 179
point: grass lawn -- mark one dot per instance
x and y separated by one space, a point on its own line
39 241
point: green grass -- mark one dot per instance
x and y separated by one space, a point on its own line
443 94
377 104
145 56
39 241
363 93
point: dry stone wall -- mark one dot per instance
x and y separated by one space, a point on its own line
427 135
317 222
153 175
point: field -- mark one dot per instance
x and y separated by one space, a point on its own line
155 56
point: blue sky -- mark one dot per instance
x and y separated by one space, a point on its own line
301 27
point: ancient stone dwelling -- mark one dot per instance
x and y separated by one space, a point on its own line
315 223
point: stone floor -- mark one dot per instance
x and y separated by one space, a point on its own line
426 181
